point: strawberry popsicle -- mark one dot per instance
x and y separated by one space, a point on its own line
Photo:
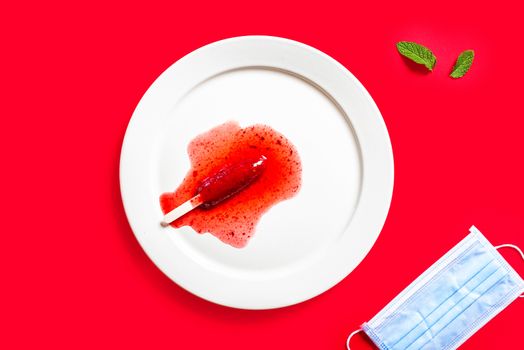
236 175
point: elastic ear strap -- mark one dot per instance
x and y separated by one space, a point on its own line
517 249
351 336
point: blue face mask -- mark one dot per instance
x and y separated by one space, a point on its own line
449 302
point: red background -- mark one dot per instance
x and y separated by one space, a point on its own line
73 275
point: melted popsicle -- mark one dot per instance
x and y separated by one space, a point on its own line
234 220
225 183
230 180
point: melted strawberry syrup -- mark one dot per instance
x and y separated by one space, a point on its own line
234 220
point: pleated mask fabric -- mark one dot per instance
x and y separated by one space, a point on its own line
450 301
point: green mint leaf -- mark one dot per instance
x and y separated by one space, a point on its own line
463 64
417 53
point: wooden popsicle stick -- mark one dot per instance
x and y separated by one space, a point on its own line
181 210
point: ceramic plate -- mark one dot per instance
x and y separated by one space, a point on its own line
302 246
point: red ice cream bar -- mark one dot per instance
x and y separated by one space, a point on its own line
236 175
229 180
223 184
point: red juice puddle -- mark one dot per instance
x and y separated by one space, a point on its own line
234 220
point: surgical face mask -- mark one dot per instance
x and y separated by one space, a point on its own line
449 302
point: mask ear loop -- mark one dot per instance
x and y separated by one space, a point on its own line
351 336
517 249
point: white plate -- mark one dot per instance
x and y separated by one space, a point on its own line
302 246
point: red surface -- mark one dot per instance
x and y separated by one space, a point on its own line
226 149
73 275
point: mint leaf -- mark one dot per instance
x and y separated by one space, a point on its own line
417 53
463 64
